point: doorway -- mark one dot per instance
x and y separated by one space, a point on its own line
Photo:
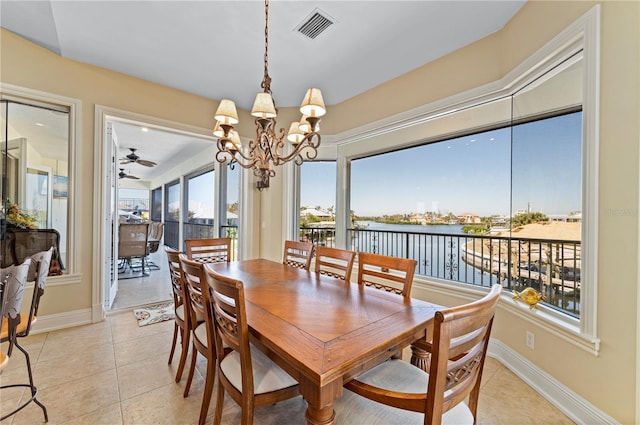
161 152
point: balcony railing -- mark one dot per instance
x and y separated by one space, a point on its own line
550 266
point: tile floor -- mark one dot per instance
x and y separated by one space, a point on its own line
135 291
115 372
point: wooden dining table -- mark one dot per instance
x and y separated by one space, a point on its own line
324 331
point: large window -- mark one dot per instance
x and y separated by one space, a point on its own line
492 194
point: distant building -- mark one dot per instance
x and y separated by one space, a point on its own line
469 218
319 213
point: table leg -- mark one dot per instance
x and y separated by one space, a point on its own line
320 401
420 356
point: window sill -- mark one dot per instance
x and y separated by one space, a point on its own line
554 322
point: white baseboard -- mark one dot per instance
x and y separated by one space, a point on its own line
69 319
571 404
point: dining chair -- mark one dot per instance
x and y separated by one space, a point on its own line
298 254
203 340
391 274
211 250
183 323
400 393
334 262
15 324
244 372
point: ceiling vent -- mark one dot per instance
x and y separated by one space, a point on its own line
315 24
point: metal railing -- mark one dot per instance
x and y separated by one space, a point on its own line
550 266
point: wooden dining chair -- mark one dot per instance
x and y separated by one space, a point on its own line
15 324
203 339
297 254
244 372
334 262
183 324
391 274
411 396
211 250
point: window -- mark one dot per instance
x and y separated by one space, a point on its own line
317 202
199 195
172 215
156 204
36 142
545 166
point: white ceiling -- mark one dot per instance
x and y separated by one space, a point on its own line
215 49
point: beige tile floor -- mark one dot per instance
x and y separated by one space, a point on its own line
136 291
115 372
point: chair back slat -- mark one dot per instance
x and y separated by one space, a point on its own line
391 274
211 250
334 262
298 254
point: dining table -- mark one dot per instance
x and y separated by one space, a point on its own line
322 330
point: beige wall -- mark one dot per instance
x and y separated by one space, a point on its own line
607 381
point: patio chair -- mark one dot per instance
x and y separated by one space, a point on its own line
132 245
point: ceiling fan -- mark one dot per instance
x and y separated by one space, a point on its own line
133 157
124 175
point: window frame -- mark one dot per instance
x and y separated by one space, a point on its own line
404 130
27 96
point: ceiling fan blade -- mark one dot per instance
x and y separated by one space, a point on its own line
125 161
129 176
146 163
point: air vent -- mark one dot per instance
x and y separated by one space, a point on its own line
315 24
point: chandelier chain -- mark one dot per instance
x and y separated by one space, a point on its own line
266 82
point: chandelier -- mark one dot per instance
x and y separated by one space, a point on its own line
268 150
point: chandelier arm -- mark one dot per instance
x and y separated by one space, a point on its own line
307 146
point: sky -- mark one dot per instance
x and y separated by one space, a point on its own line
467 174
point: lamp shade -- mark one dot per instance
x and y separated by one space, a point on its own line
313 104
263 106
227 113
295 134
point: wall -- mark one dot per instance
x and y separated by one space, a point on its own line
607 381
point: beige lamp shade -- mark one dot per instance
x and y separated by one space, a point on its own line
217 130
313 104
295 135
263 106
227 113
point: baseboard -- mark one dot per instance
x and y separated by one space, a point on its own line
69 319
571 404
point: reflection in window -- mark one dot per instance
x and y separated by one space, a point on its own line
35 168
